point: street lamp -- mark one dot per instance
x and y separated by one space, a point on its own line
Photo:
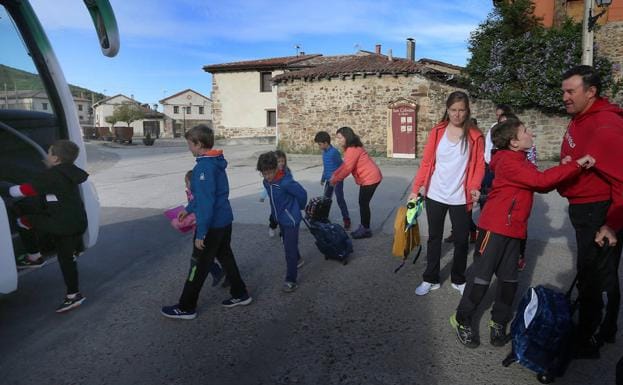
588 27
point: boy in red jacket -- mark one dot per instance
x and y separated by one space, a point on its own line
502 225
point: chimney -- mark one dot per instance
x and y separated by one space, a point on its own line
377 49
301 53
411 49
389 55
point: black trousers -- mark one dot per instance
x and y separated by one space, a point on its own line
596 273
217 245
365 196
67 246
460 218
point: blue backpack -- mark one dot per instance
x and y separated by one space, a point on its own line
541 333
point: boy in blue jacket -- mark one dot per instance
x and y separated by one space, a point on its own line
331 161
287 199
210 189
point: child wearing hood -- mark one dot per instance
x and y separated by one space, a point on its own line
210 189
287 199
58 210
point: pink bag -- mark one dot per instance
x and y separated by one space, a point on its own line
185 225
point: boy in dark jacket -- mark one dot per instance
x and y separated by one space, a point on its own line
331 161
59 212
210 189
287 199
502 226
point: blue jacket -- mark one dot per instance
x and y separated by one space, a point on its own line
331 161
210 189
287 199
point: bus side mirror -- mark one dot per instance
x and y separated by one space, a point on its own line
105 25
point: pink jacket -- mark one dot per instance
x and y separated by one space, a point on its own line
475 164
358 162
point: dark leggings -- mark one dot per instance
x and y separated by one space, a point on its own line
365 196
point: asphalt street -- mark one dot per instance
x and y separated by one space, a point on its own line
353 324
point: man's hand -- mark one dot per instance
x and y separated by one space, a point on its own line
199 244
475 195
181 215
605 232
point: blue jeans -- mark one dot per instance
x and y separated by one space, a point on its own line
291 248
339 196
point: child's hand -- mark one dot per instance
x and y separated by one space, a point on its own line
475 195
586 161
181 215
565 160
199 244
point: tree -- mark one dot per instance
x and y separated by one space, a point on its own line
515 60
128 113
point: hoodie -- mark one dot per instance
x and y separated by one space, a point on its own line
516 179
210 190
599 133
287 199
62 210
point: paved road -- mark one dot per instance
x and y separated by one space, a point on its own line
354 324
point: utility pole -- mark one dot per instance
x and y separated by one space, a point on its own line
587 34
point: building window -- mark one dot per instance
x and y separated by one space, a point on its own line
79 107
80 117
200 110
44 106
271 118
176 109
188 110
265 82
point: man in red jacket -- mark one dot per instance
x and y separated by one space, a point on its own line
595 203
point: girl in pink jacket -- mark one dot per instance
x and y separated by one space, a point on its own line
366 173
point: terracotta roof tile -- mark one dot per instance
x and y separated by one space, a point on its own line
368 64
267 64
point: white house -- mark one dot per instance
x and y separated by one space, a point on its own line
38 101
104 108
186 109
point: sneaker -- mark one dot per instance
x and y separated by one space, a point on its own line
243 300
289 287
346 223
271 232
70 303
473 235
361 232
464 334
521 264
449 239
425 287
300 263
175 312
498 335
24 263
460 288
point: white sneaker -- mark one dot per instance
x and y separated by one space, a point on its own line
271 232
425 287
460 288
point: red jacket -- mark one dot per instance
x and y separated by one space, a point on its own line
516 179
597 132
475 164
358 162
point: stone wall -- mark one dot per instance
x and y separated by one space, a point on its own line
362 103
609 40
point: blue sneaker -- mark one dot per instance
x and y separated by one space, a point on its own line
361 232
243 300
175 312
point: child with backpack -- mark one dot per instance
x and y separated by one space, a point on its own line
502 226
331 161
287 199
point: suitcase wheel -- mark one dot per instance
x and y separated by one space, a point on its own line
545 378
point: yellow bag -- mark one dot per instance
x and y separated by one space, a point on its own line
405 241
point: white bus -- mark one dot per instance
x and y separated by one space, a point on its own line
37 108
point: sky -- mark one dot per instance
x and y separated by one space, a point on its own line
165 44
